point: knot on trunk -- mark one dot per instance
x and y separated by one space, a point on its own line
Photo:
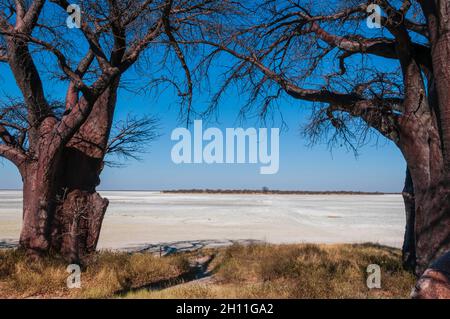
76 225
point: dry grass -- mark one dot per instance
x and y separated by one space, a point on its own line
108 274
296 271
255 271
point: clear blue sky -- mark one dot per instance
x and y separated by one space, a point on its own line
378 167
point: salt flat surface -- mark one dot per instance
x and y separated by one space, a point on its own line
135 219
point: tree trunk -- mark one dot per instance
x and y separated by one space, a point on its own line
80 211
66 224
426 196
63 213
75 230
37 207
432 194
432 229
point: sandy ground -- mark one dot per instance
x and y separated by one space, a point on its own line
139 219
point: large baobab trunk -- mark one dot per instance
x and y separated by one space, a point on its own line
79 213
60 157
67 224
66 221
430 153
426 193
63 212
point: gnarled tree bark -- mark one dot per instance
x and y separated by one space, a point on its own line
80 209
61 156
62 210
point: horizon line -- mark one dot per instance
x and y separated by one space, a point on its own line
238 190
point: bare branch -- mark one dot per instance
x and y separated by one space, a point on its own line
131 136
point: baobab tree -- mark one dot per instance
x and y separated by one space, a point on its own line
392 77
59 147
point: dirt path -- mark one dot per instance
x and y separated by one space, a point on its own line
198 272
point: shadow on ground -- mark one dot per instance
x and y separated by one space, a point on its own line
197 271
8 243
168 248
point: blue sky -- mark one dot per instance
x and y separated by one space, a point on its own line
379 166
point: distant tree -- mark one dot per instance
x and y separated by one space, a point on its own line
394 79
59 147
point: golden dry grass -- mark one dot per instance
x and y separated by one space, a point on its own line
255 271
108 274
297 271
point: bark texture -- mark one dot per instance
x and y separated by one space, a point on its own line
435 281
61 156
429 158
62 210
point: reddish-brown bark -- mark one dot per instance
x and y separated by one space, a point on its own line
79 213
62 210
413 111
60 157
